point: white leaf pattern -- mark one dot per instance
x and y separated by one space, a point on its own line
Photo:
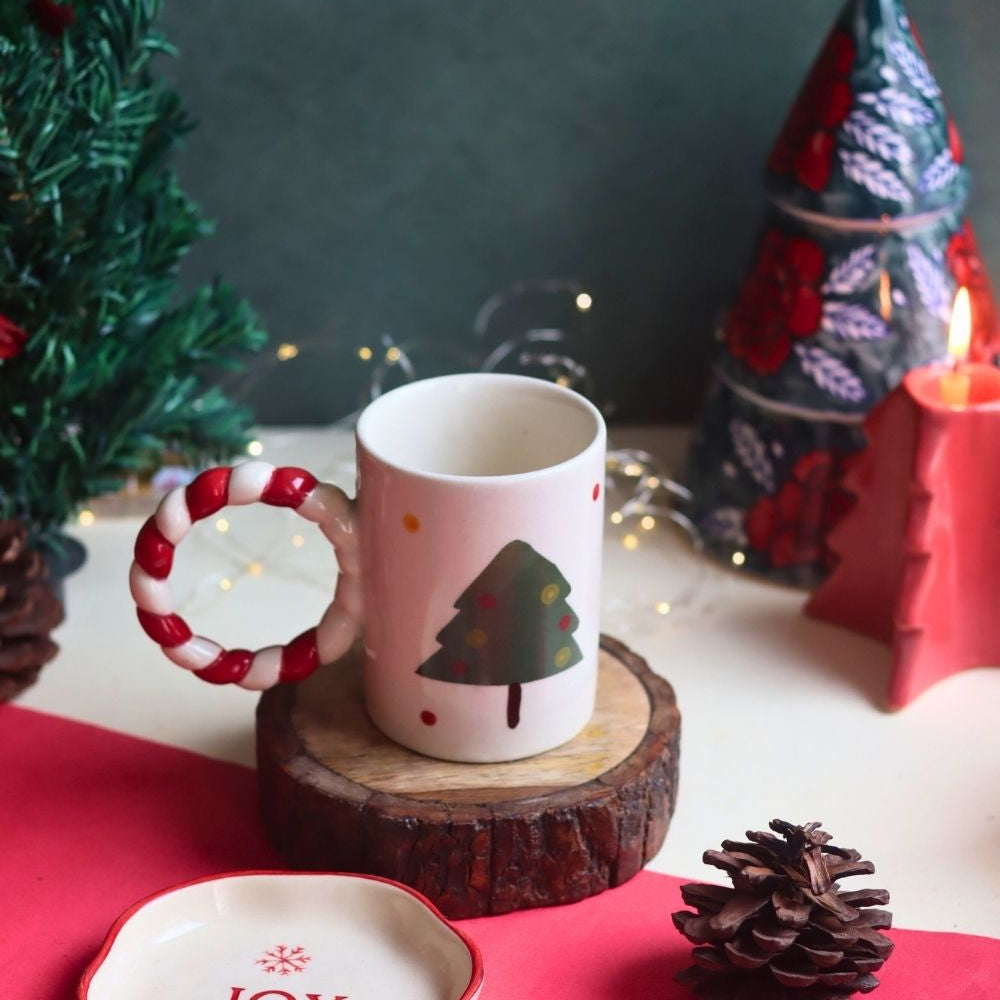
877 138
830 373
853 322
941 171
852 272
929 277
875 176
726 525
751 452
915 68
898 106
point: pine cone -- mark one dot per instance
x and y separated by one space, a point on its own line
785 930
29 610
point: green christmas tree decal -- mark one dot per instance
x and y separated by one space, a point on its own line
513 626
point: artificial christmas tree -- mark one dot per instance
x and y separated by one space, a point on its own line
863 248
513 626
102 365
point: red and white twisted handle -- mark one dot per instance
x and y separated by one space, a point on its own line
322 503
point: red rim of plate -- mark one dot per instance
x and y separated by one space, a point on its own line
475 980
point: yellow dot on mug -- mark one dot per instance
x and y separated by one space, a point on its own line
562 657
412 523
475 638
549 593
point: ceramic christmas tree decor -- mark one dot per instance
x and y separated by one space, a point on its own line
497 479
863 248
513 626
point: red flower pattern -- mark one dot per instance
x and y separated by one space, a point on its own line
780 300
12 338
791 526
967 268
806 143
955 142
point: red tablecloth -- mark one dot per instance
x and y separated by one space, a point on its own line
91 821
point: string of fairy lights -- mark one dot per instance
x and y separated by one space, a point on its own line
640 494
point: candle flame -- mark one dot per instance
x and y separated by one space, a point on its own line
885 296
960 334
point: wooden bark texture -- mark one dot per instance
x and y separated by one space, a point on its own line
475 839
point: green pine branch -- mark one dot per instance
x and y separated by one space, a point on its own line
93 226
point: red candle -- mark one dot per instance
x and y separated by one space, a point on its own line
919 550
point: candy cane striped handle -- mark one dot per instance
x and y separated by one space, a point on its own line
213 489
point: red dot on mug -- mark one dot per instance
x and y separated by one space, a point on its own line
565 622
487 600
459 668
428 718
597 490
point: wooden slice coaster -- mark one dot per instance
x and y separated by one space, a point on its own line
474 838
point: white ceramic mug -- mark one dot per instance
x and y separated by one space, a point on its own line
470 560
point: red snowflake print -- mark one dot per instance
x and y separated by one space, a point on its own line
779 302
12 338
791 525
284 960
806 143
966 267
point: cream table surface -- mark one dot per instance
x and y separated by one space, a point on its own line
781 714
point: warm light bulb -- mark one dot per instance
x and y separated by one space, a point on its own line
222 525
286 352
255 448
562 380
960 333
225 583
648 523
738 558
365 353
633 469
663 608
617 517
255 569
393 355
86 517
584 302
630 542
653 482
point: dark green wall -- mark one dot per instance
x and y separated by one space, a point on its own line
382 167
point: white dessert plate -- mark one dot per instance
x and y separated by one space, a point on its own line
285 936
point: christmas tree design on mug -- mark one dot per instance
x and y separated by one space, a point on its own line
513 626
